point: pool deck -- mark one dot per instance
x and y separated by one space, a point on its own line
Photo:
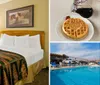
57 68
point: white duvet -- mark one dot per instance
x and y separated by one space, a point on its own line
31 55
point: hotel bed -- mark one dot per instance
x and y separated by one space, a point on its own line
34 57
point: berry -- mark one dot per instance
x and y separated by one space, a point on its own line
67 17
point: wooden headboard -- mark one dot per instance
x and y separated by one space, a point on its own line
25 32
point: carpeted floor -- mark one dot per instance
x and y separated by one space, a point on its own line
41 78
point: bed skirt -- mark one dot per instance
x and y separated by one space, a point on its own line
33 70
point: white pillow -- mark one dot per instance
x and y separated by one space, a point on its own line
34 42
22 41
7 40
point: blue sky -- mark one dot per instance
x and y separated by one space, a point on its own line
89 51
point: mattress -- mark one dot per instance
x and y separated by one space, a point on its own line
32 56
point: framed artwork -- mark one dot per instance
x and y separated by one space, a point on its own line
20 17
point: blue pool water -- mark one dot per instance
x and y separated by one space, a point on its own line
76 76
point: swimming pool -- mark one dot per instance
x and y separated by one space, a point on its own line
76 76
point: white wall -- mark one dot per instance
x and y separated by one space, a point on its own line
95 19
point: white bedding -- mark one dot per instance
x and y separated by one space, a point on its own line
30 54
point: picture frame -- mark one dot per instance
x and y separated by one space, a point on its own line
20 17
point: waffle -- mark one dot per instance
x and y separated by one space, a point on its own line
75 28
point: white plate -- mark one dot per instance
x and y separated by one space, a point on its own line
74 15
